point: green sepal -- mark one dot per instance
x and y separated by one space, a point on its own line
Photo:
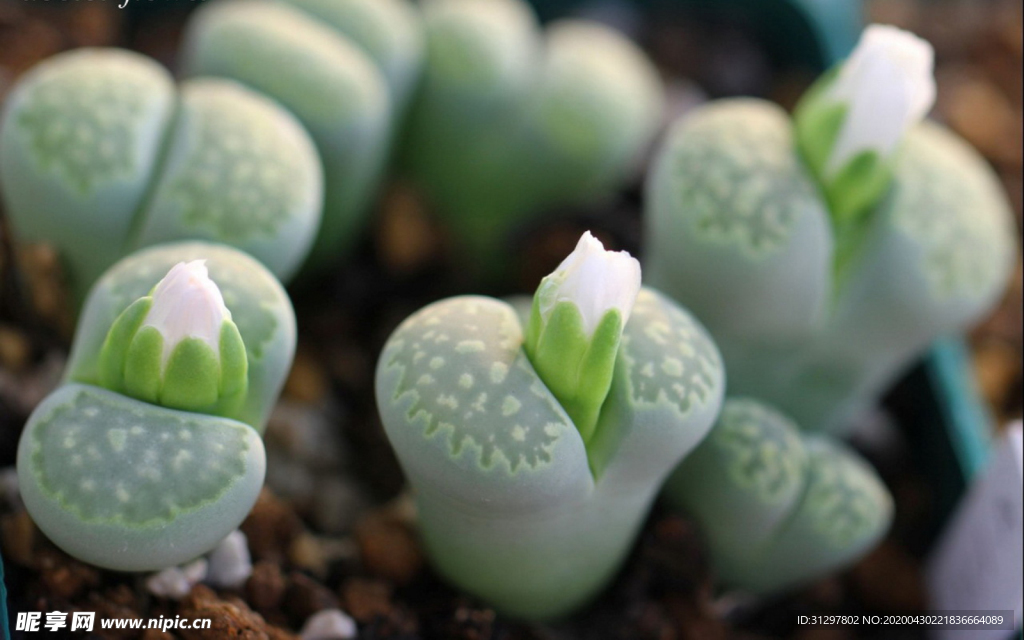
854 191
142 365
817 123
857 187
234 369
576 368
114 352
192 377
196 377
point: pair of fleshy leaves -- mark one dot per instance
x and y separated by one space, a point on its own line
101 154
133 486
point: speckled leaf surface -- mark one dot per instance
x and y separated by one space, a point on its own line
512 505
131 486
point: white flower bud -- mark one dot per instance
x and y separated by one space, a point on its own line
187 304
888 85
594 280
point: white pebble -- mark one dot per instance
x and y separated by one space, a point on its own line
230 563
329 624
176 582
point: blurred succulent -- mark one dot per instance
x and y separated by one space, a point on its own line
522 498
150 454
345 68
818 303
511 121
101 155
390 32
778 508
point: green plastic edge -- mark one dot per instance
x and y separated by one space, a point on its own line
967 422
833 25
837 23
5 631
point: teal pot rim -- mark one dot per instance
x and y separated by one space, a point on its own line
948 426
813 33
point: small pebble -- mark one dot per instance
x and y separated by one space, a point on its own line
176 582
230 617
230 563
329 624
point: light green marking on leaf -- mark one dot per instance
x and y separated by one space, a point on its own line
762 450
737 176
945 198
243 179
483 395
666 358
843 496
83 120
133 465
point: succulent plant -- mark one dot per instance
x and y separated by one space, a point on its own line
150 454
522 498
825 256
778 508
511 121
320 60
100 155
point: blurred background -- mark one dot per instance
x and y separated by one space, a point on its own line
706 49
329 532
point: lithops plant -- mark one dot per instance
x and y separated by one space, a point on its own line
150 454
778 508
326 79
536 442
100 155
511 121
825 255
